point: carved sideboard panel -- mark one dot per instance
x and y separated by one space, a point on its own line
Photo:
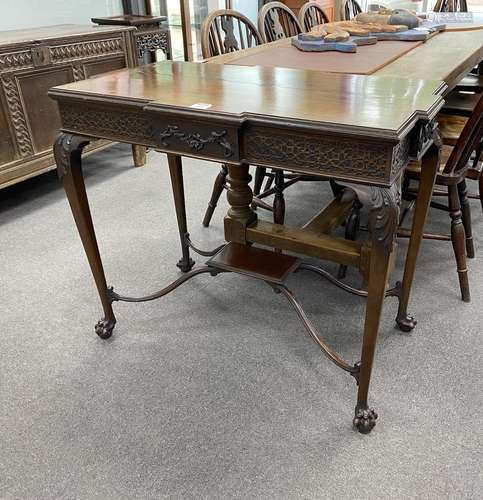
29 119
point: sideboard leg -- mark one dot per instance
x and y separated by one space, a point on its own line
383 221
68 151
139 155
429 169
176 173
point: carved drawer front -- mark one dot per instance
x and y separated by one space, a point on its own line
197 139
374 161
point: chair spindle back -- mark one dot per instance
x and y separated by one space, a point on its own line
225 31
277 21
312 14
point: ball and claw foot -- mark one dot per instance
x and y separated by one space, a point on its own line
364 420
406 323
185 266
105 327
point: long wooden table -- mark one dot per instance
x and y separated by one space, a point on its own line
338 126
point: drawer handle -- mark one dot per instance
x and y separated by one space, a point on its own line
195 141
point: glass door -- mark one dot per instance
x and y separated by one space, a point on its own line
192 13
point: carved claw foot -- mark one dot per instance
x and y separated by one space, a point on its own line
185 266
406 323
105 327
364 420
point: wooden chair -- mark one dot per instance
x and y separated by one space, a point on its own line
451 128
312 14
225 31
455 166
450 6
351 9
277 21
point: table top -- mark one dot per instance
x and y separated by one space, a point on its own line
446 57
458 21
384 107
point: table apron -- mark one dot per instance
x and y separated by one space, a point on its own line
366 160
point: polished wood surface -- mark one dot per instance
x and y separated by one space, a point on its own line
340 102
447 57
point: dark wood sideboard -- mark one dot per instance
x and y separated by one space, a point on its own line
33 61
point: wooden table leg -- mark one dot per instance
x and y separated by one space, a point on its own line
176 173
429 169
383 221
240 196
139 155
68 152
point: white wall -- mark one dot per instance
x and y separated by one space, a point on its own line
17 14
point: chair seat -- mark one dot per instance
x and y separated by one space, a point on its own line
472 83
450 127
414 166
460 103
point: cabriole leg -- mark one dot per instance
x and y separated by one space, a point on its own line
383 220
68 151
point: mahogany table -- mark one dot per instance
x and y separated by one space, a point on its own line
338 126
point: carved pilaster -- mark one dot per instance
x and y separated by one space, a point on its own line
78 72
17 114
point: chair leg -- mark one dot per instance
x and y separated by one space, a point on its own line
279 201
480 188
215 195
351 229
269 182
259 176
466 215
458 240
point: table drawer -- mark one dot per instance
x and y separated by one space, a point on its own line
196 138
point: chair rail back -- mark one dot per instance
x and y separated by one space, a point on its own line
277 21
451 6
468 142
312 14
225 31
351 9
